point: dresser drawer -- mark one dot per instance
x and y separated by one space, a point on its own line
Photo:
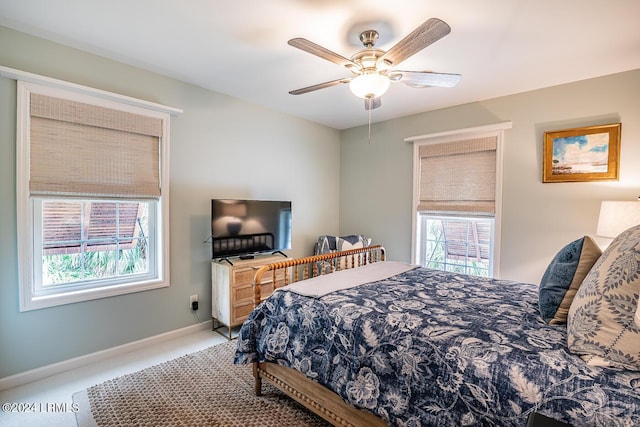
243 276
245 293
240 312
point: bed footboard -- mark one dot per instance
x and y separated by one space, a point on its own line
313 396
297 269
305 391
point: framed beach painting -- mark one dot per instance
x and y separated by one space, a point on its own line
582 154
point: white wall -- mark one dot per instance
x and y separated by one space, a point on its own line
220 147
538 219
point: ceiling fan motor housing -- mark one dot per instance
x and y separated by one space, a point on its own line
368 60
369 38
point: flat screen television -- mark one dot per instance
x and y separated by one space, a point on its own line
243 228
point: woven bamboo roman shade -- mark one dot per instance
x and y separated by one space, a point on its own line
458 177
78 149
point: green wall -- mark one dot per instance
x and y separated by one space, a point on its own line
220 147
538 219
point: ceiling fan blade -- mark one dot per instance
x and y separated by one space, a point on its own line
429 32
372 103
324 53
319 86
425 78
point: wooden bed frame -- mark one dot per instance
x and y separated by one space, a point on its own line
305 391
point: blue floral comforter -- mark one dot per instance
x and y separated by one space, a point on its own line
430 348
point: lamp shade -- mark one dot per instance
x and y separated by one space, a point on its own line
235 209
369 85
617 216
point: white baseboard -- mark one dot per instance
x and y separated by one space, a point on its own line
77 362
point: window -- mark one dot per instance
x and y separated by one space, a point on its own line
92 196
456 244
456 198
89 240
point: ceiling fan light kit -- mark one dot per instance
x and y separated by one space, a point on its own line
373 70
369 85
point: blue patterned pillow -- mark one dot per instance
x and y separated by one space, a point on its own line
324 245
328 244
563 277
354 241
600 326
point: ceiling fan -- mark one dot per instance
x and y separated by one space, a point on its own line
373 69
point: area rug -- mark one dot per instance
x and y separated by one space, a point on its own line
203 388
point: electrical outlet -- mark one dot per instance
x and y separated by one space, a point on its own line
193 299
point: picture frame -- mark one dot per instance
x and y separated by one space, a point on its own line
582 154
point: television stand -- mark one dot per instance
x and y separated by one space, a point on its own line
280 252
232 291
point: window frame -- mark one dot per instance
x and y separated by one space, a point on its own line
27 222
495 130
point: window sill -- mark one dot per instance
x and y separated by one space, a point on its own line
31 302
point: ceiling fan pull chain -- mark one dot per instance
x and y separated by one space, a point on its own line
370 100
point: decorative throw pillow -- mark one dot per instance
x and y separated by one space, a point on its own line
323 245
328 244
344 243
563 277
600 325
350 242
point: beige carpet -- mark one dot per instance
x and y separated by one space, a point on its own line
200 389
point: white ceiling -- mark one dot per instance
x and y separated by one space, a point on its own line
239 47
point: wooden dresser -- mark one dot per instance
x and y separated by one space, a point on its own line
232 289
